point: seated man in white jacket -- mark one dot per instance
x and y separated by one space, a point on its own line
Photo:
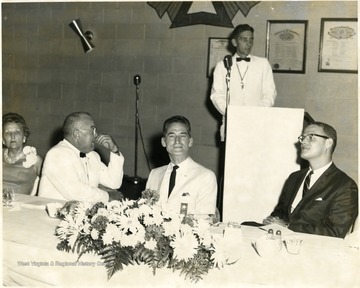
72 170
193 185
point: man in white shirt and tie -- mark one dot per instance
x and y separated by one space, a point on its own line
193 183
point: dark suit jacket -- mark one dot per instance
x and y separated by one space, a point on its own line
329 208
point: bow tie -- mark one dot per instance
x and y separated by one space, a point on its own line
247 59
82 155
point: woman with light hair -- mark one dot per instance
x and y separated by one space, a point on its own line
21 164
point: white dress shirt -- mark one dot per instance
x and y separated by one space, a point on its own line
314 177
66 176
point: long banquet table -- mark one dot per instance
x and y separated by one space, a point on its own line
30 258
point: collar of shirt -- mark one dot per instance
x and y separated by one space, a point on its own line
237 55
182 165
242 66
72 147
318 173
77 151
313 179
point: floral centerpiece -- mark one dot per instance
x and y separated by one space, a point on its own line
131 232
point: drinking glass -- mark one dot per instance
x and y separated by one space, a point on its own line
293 246
8 197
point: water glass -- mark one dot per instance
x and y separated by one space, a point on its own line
8 197
293 246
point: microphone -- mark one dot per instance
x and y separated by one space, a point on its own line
227 61
137 80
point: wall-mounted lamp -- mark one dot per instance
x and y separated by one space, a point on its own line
85 37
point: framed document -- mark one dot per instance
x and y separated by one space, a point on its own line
286 45
338 45
218 49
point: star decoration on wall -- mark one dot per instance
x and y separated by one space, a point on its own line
202 12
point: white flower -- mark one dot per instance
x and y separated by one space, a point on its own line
153 218
126 203
185 246
172 227
145 209
133 213
30 156
94 234
157 215
128 223
151 244
69 230
79 211
86 228
132 239
136 228
203 230
102 212
113 218
107 238
112 233
113 205
141 201
220 256
168 229
206 239
186 229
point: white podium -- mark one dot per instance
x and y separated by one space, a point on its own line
260 154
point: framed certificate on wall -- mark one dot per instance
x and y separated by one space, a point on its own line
338 45
286 45
218 49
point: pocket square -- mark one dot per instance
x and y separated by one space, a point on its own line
319 199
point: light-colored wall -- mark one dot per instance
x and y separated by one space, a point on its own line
46 75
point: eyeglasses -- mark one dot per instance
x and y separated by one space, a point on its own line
92 130
246 40
310 137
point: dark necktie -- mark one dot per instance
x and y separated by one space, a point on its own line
247 59
82 155
172 179
307 183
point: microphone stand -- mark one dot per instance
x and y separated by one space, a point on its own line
136 179
136 132
221 191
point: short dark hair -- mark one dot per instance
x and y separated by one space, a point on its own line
70 120
329 131
16 118
177 119
241 28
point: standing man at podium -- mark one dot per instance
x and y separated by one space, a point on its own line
251 78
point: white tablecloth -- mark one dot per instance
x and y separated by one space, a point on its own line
30 258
